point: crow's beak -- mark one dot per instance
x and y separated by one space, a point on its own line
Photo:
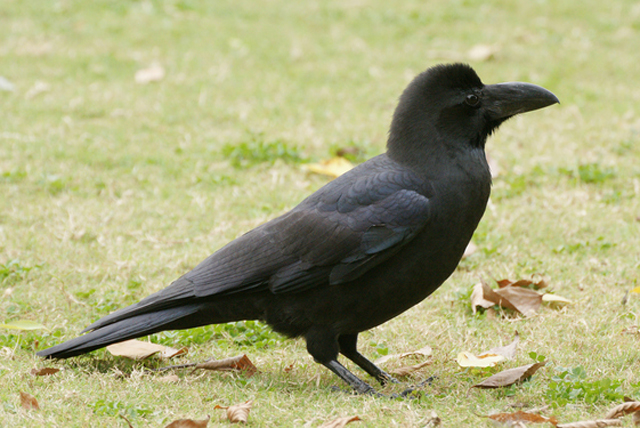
504 100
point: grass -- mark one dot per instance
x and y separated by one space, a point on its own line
109 190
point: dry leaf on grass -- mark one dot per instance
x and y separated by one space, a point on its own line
340 422
407 370
520 416
239 362
519 299
422 352
189 423
467 359
333 167
45 371
477 298
508 351
237 412
153 73
139 350
555 301
28 401
623 410
509 377
636 419
602 423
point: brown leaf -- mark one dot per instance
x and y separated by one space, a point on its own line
509 377
522 283
406 370
508 351
636 419
28 401
239 362
340 422
523 300
602 423
237 412
45 371
153 73
477 297
422 352
139 350
623 410
189 423
520 416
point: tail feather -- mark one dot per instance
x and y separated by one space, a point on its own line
140 325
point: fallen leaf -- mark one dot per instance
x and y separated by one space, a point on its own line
481 53
28 401
636 419
333 167
520 416
153 73
508 351
407 370
555 301
602 423
22 325
45 371
239 362
509 377
340 422
623 410
523 300
467 359
237 412
477 298
422 352
188 423
471 248
6 85
139 350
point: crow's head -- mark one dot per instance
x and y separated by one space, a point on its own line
448 106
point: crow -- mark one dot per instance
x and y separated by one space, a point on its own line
362 249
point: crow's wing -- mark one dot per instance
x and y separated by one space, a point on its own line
334 236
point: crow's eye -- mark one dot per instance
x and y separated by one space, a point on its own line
472 100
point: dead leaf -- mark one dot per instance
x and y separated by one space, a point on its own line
239 362
45 371
602 423
623 410
509 377
508 351
139 350
237 412
471 248
520 416
28 401
482 53
422 352
555 301
340 422
153 73
189 423
333 167
523 300
636 419
477 298
407 370
467 359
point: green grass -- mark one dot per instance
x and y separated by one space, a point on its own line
109 190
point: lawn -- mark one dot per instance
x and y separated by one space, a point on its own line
111 188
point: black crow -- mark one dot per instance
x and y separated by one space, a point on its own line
362 249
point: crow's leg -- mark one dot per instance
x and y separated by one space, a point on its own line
322 344
348 348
